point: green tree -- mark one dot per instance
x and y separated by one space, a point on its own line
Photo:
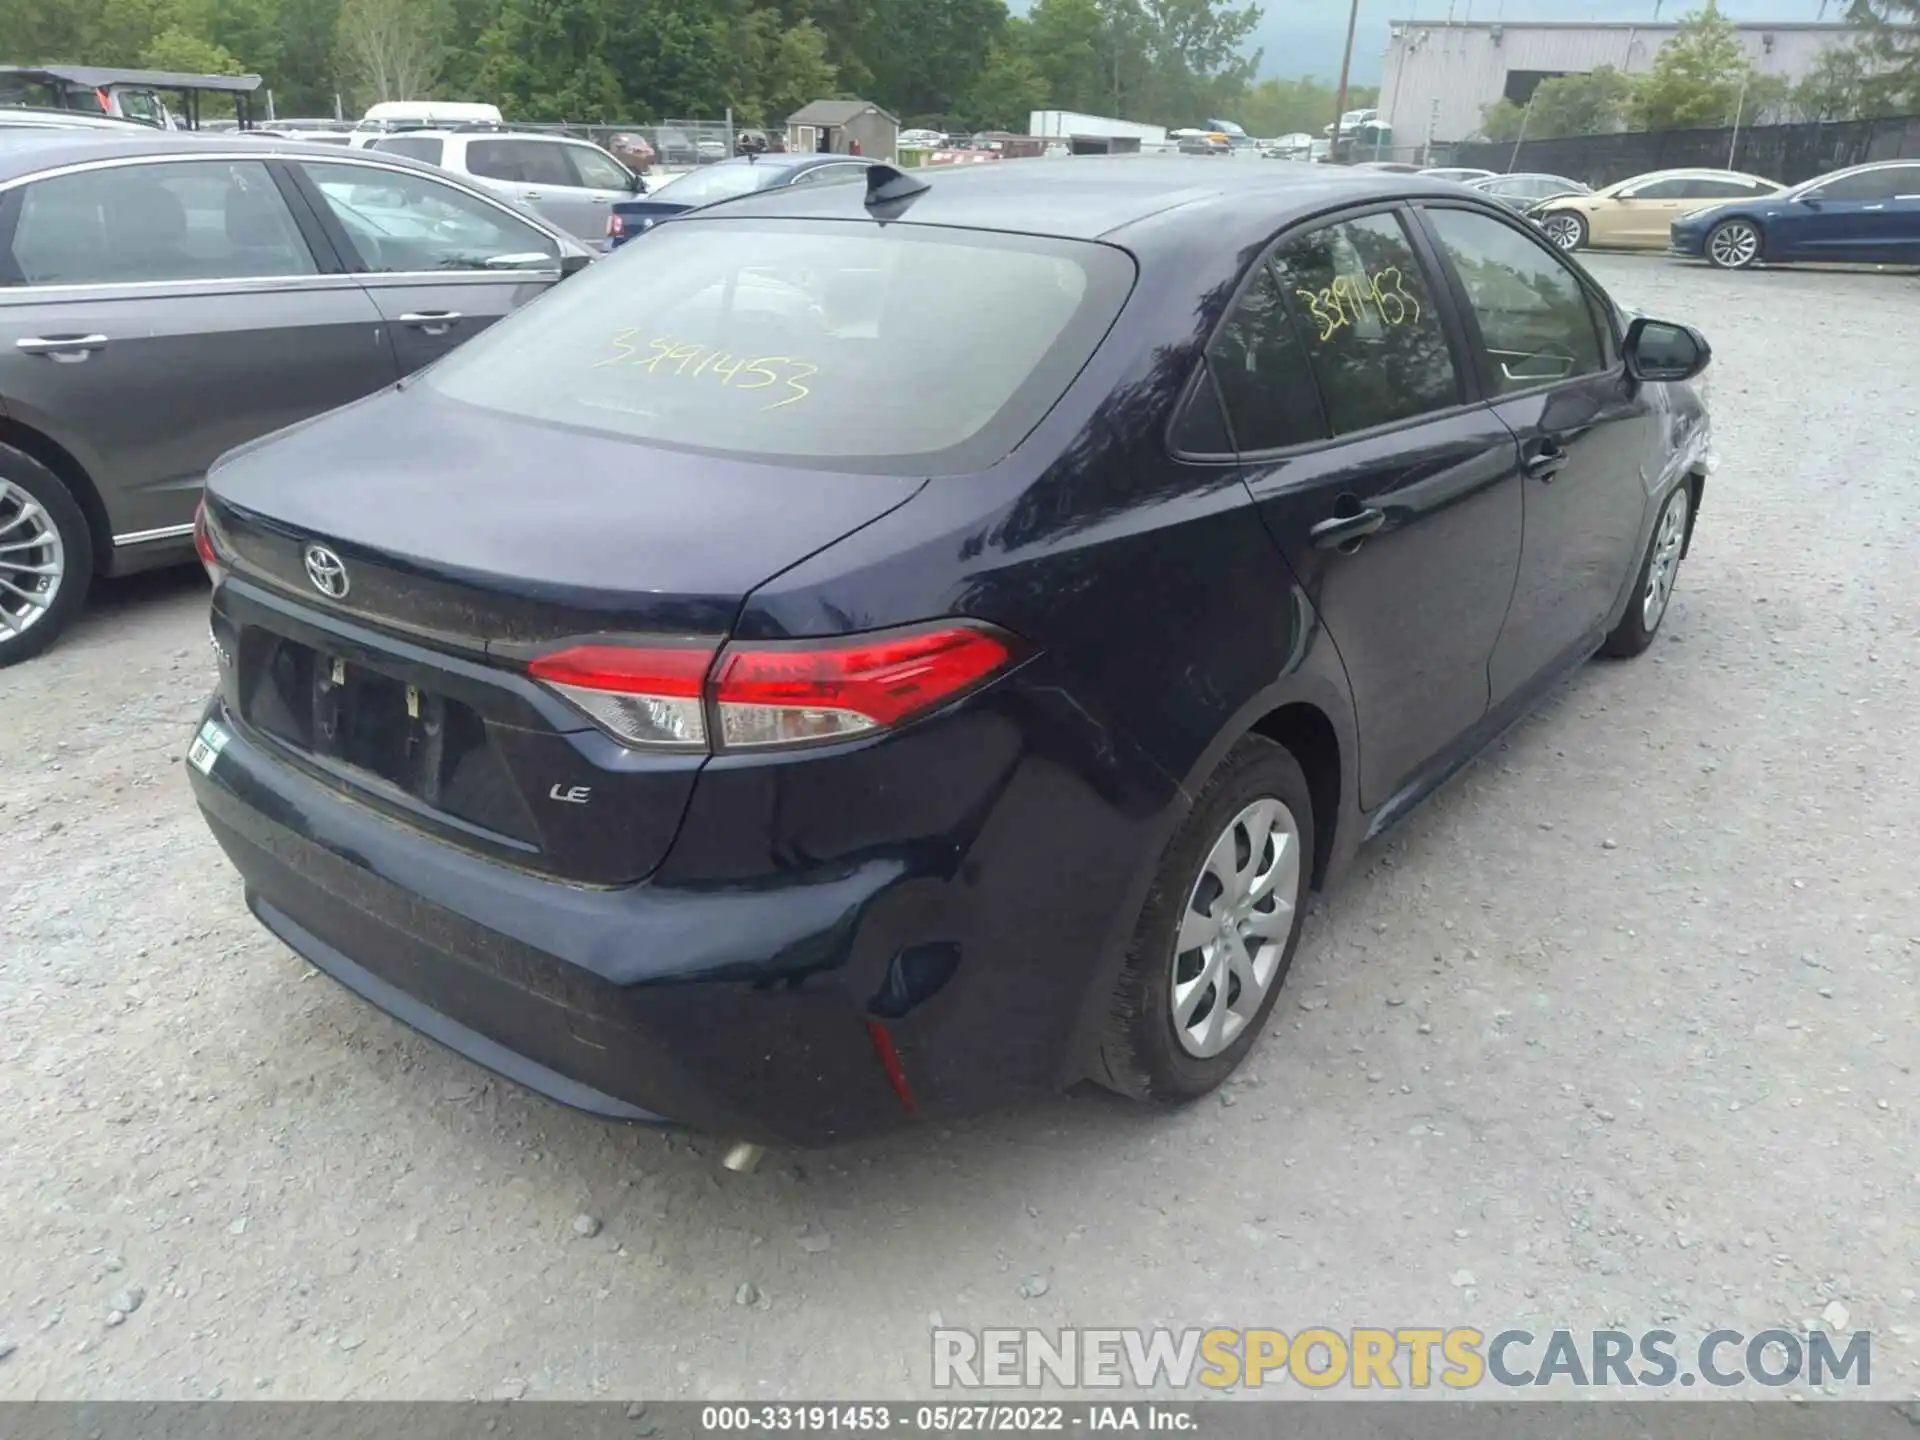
1590 104
1068 42
1890 49
1501 121
1287 107
547 60
924 55
174 49
1009 87
786 66
1835 88
391 49
1697 77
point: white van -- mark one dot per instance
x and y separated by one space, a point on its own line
391 115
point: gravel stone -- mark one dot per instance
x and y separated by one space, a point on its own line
586 1226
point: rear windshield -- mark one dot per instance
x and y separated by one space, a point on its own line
896 348
716 182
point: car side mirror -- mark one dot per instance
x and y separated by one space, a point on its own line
1658 350
635 185
1812 202
573 263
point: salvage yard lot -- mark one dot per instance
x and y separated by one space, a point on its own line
1617 1030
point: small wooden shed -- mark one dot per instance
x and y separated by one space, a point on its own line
844 127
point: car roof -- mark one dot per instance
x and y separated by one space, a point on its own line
30 151
1693 172
1096 196
472 132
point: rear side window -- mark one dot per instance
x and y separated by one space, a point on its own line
1873 184
1536 321
519 162
594 170
1261 368
1373 335
198 220
415 147
897 348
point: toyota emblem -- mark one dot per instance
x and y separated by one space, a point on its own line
325 570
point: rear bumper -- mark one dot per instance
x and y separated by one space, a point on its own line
738 990
738 1013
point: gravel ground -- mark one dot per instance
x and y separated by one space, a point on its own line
1618 1029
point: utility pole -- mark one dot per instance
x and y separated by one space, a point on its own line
1346 69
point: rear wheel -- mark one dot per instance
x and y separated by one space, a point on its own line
1565 229
1217 934
46 556
1733 245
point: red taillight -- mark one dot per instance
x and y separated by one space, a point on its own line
203 544
658 697
616 227
645 696
777 695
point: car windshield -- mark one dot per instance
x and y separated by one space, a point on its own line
815 342
718 182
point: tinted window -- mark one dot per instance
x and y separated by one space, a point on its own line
203 220
1536 319
519 162
397 221
1873 184
808 341
1261 367
1727 189
1373 336
595 170
414 147
1660 190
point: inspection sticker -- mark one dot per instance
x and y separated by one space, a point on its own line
206 747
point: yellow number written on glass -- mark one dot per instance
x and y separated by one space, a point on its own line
1345 302
731 372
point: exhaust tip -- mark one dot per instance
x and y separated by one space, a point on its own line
742 1157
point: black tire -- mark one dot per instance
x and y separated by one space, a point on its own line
1140 1053
1577 235
1634 634
20 640
1725 256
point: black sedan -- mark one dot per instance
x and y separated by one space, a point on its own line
728 180
876 651
1523 192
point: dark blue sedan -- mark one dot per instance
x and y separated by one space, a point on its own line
1868 213
878 651
730 178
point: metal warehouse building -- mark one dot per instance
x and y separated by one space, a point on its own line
1439 78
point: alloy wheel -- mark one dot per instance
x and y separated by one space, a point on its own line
32 560
1234 928
1734 245
1564 231
1669 537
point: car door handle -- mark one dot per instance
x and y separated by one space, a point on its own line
434 322
64 349
530 195
1545 461
1345 530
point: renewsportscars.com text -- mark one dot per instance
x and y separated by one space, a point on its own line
1405 1357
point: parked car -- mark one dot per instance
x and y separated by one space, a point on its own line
675 147
1635 214
807 675
165 297
573 183
708 150
1523 192
726 181
394 116
1461 174
632 150
1865 213
1391 167
1297 146
922 139
1204 145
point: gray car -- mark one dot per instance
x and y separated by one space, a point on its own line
573 183
165 298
